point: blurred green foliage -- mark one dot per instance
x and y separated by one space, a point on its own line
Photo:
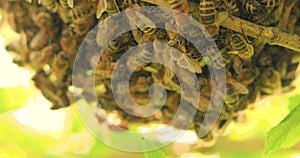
19 140
13 98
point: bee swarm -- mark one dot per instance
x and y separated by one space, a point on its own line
52 31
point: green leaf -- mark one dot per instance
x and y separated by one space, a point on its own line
294 101
286 134
13 98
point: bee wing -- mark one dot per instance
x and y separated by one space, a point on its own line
116 5
71 3
237 64
196 66
204 103
175 54
24 41
144 21
150 69
137 35
239 87
11 18
183 62
101 8
168 75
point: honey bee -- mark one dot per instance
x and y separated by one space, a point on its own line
270 3
208 15
270 81
239 87
239 43
43 20
72 3
64 14
117 44
60 64
90 38
104 71
35 2
142 22
209 139
122 91
252 6
287 18
137 35
232 99
256 13
157 15
46 55
193 10
67 3
193 53
248 75
35 59
111 27
183 21
214 59
203 104
18 16
264 60
231 6
233 91
291 70
110 6
82 11
180 5
175 39
100 31
237 64
292 24
67 43
141 98
161 74
141 84
51 5
48 90
185 62
41 39
144 56
113 47
81 27
227 57
20 47
59 69
130 4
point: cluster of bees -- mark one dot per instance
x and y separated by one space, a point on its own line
51 32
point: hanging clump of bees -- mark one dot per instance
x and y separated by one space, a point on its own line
259 41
